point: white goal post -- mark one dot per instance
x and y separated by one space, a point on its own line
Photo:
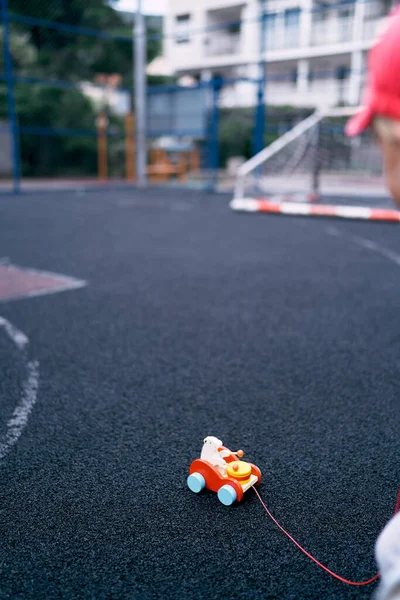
312 149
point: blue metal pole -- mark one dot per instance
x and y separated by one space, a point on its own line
213 147
260 112
12 113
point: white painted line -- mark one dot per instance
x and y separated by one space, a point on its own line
367 243
15 335
333 231
370 245
19 418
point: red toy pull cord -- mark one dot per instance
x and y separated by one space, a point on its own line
397 509
342 579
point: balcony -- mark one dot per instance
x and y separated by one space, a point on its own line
280 38
318 93
332 31
329 90
225 31
372 28
281 93
282 30
217 44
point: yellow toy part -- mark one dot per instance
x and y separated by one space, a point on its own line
239 470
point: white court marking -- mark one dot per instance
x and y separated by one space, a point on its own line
367 243
19 418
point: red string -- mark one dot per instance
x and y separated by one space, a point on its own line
342 579
397 509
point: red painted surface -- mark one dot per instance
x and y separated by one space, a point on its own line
16 282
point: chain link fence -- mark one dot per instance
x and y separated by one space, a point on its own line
67 110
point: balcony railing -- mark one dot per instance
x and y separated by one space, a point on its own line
317 92
334 31
280 39
371 28
217 44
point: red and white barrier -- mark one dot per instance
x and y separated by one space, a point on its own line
315 210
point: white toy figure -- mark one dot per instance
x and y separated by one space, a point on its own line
211 454
387 551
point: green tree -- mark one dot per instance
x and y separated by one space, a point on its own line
74 56
49 54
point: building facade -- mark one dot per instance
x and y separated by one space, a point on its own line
313 53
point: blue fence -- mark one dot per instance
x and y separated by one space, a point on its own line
177 111
55 81
64 62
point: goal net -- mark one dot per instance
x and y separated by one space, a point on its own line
314 160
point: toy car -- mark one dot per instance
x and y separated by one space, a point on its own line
222 472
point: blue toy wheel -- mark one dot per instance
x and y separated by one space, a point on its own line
227 495
196 482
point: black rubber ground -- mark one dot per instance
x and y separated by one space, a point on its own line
280 335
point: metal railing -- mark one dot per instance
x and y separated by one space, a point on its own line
216 44
332 31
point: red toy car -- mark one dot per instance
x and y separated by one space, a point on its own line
229 480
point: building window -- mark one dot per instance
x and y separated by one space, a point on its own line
292 29
182 23
345 13
270 30
342 72
376 10
234 28
292 18
321 13
270 21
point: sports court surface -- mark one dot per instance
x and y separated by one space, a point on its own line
277 334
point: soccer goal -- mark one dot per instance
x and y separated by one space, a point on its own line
311 164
